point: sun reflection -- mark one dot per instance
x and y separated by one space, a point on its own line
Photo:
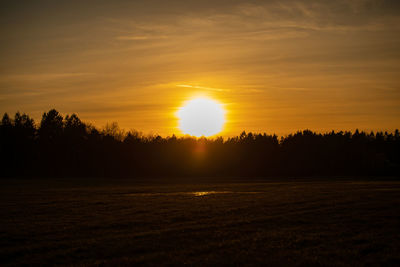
203 193
207 193
193 193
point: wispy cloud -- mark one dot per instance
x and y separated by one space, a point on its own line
140 38
42 76
203 88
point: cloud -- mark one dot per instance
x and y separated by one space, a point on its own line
140 38
42 76
203 87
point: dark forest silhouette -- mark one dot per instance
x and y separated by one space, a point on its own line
68 147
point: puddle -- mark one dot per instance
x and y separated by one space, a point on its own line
194 193
206 193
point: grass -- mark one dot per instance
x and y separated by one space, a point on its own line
301 222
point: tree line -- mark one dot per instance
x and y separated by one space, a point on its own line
67 147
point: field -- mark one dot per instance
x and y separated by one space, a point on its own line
297 222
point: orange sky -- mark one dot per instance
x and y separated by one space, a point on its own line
277 66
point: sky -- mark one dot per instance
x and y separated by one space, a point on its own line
276 66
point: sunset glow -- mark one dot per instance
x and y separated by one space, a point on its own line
280 66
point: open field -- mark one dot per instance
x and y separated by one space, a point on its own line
122 222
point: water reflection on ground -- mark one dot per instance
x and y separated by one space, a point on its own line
206 193
193 193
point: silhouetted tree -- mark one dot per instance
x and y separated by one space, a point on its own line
69 147
52 152
7 152
51 126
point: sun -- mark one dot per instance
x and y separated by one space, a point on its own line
201 117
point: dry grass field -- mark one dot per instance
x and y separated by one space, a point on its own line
299 222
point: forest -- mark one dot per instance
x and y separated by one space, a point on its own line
67 147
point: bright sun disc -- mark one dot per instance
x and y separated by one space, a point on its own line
201 117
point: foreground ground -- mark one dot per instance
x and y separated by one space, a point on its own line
121 222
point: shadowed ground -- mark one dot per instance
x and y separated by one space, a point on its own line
121 222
